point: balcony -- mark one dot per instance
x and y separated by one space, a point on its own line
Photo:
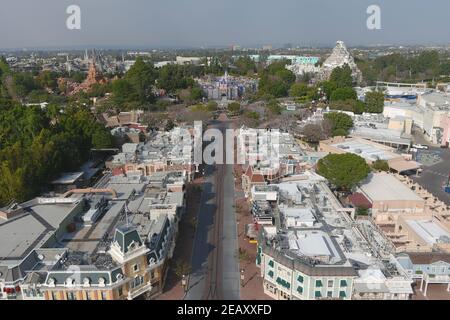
139 290
432 278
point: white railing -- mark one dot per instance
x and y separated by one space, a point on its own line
133 294
437 278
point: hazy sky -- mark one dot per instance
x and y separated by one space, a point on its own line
181 23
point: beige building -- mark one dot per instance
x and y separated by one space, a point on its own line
370 151
390 196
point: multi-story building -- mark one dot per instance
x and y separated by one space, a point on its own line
93 244
164 152
316 250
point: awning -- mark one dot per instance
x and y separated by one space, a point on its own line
401 165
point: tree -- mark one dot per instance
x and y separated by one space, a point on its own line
340 121
312 132
374 102
276 80
196 93
298 90
274 107
380 165
245 66
211 106
102 139
346 93
344 171
342 76
234 107
355 106
182 268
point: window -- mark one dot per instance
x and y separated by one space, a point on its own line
70 296
120 291
104 295
270 273
319 283
137 282
271 263
343 283
318 294
329 294
53 295
300 279
152 275
88 295
136 268
300 289
342 294
330 283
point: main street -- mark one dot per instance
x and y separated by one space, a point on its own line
215 265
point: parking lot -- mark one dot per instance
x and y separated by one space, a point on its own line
436 168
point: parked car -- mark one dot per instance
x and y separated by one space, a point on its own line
420 146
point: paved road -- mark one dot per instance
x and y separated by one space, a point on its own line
215 265
433 177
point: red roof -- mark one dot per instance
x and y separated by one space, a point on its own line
257 177
359 200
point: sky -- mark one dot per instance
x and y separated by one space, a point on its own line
209 23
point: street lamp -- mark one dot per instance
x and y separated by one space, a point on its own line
242 277
183 282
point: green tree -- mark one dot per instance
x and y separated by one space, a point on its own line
102 139
276 80
346 93
380 165
341 122
245 66
141 77
211 106
342 76
234 107
374 102
344 171
298 90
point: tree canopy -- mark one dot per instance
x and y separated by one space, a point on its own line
37 145
344 171
341 122
276 80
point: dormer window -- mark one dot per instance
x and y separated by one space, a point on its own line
51 282
101 282
86 282
70 281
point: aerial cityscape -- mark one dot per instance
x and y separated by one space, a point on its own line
292 169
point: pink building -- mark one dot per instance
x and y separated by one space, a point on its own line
445 125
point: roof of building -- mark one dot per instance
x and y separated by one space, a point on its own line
359 200
68 178
430 231
366 149
428 257
385 187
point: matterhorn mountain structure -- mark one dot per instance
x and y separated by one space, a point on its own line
339 57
